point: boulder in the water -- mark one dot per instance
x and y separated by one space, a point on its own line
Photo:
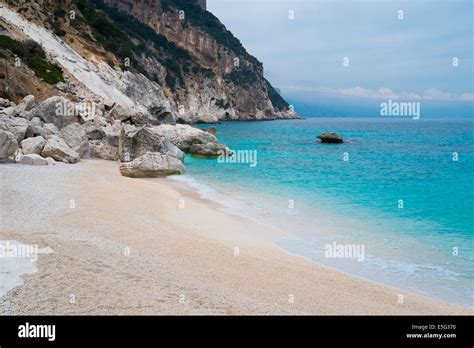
330 138
211 149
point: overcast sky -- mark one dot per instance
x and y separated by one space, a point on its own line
409 58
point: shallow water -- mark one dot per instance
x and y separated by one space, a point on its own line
16 260
400 191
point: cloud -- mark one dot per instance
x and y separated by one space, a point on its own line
387 93
413 54
467 96
435 94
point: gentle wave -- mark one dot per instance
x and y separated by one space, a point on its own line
425 278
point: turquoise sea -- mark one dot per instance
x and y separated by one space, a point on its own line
401 188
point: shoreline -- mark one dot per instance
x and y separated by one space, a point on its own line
181 260
222 198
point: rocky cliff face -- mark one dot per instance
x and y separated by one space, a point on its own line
232 85
74 85
165 61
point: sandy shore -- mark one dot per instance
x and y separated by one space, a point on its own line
129 246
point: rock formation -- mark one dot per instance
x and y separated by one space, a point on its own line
151 165
208 150
34 160
8 144
224 81
330 138
154 63
33 145
116 80
57 149
151 150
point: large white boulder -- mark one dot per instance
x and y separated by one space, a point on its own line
103 141
183 136
8 144
75 137
93 130
121 113
35 128
36 121
15 125
50 129
34 160
172 150
103 149
56 110
151 165
33 145
27 103
208 150
57 149
10 111
136 141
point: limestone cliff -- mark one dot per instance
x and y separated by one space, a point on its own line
230 83
171 58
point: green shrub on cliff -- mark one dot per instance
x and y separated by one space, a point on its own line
50 73
242 77
13 46
222 104
209 23
34 57
278 102
115 29
105 32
